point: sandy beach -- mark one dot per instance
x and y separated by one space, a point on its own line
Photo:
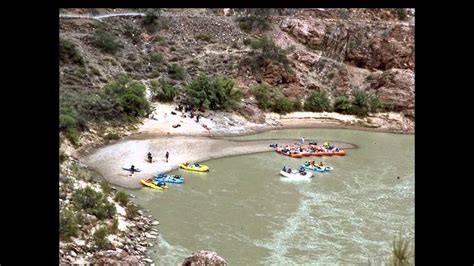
192 142
108 161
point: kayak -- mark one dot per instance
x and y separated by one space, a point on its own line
152 185
176 179
296 155
318 168
340 153
128 169
191 167
296 175
314 168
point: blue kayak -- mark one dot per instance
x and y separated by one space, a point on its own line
318 168
176 179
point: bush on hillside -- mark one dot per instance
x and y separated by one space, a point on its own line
93 202
128 96
131 211
100 238
317 102
133 32
163 91
213 92
122 198
342 104
106 188
106 41
176 72
254 19
68 53
68 224
270 99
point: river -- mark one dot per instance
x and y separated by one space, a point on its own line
249 215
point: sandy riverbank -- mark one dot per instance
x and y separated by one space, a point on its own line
228 124
109 160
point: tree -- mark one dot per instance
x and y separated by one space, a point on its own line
342 104
317 102
216 92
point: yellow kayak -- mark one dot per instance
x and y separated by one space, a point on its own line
152 185
191 167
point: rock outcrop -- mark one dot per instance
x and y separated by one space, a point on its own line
204 257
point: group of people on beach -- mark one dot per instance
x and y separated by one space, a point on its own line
133 169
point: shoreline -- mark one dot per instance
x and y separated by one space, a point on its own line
194 142
108 161
239 126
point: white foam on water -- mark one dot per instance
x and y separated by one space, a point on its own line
168 254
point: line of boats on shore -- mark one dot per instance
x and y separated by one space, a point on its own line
160 181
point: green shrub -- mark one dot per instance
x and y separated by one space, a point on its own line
73 135
68 224
68 53
364 102
297 105
150 20
361 98
176 72
317 102
131 211
163 91
360 111
283 105
113 229
265 49
271 99
151 16
132 32
100 238
342 104
214 93
106 188
263 95
157 59
375 104
128 96
93 202
122 198
106 41
255 19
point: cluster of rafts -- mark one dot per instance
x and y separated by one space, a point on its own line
300 150
160 181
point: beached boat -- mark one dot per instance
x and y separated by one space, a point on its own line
153 184
176 179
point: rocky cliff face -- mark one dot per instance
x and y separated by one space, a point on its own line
335 51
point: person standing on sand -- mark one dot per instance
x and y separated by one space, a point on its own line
167 156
